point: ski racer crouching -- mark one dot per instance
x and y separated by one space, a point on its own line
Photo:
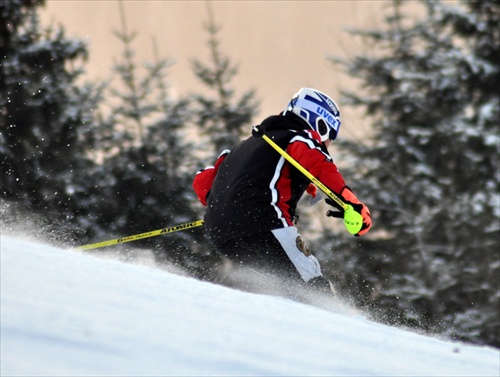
251 193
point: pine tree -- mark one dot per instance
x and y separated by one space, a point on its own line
221 118
145 181
430 170
45 118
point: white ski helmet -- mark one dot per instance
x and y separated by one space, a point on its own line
318 110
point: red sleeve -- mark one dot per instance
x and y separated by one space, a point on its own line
309 154
202 183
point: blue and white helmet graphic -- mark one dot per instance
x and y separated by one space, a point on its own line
318 110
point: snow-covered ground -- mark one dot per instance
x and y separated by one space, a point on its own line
68 313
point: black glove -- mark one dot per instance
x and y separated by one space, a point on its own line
337 214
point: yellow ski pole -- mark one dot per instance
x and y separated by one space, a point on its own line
136 237
353 220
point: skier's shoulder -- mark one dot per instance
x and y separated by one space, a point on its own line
285 122
275 123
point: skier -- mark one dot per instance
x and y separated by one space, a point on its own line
251 192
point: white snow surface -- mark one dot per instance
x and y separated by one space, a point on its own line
66 313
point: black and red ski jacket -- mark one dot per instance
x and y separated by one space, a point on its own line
252 188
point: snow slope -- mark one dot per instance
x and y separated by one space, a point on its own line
68 313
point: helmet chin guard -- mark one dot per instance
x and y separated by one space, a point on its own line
319 111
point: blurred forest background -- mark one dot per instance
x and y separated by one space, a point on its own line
86 162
